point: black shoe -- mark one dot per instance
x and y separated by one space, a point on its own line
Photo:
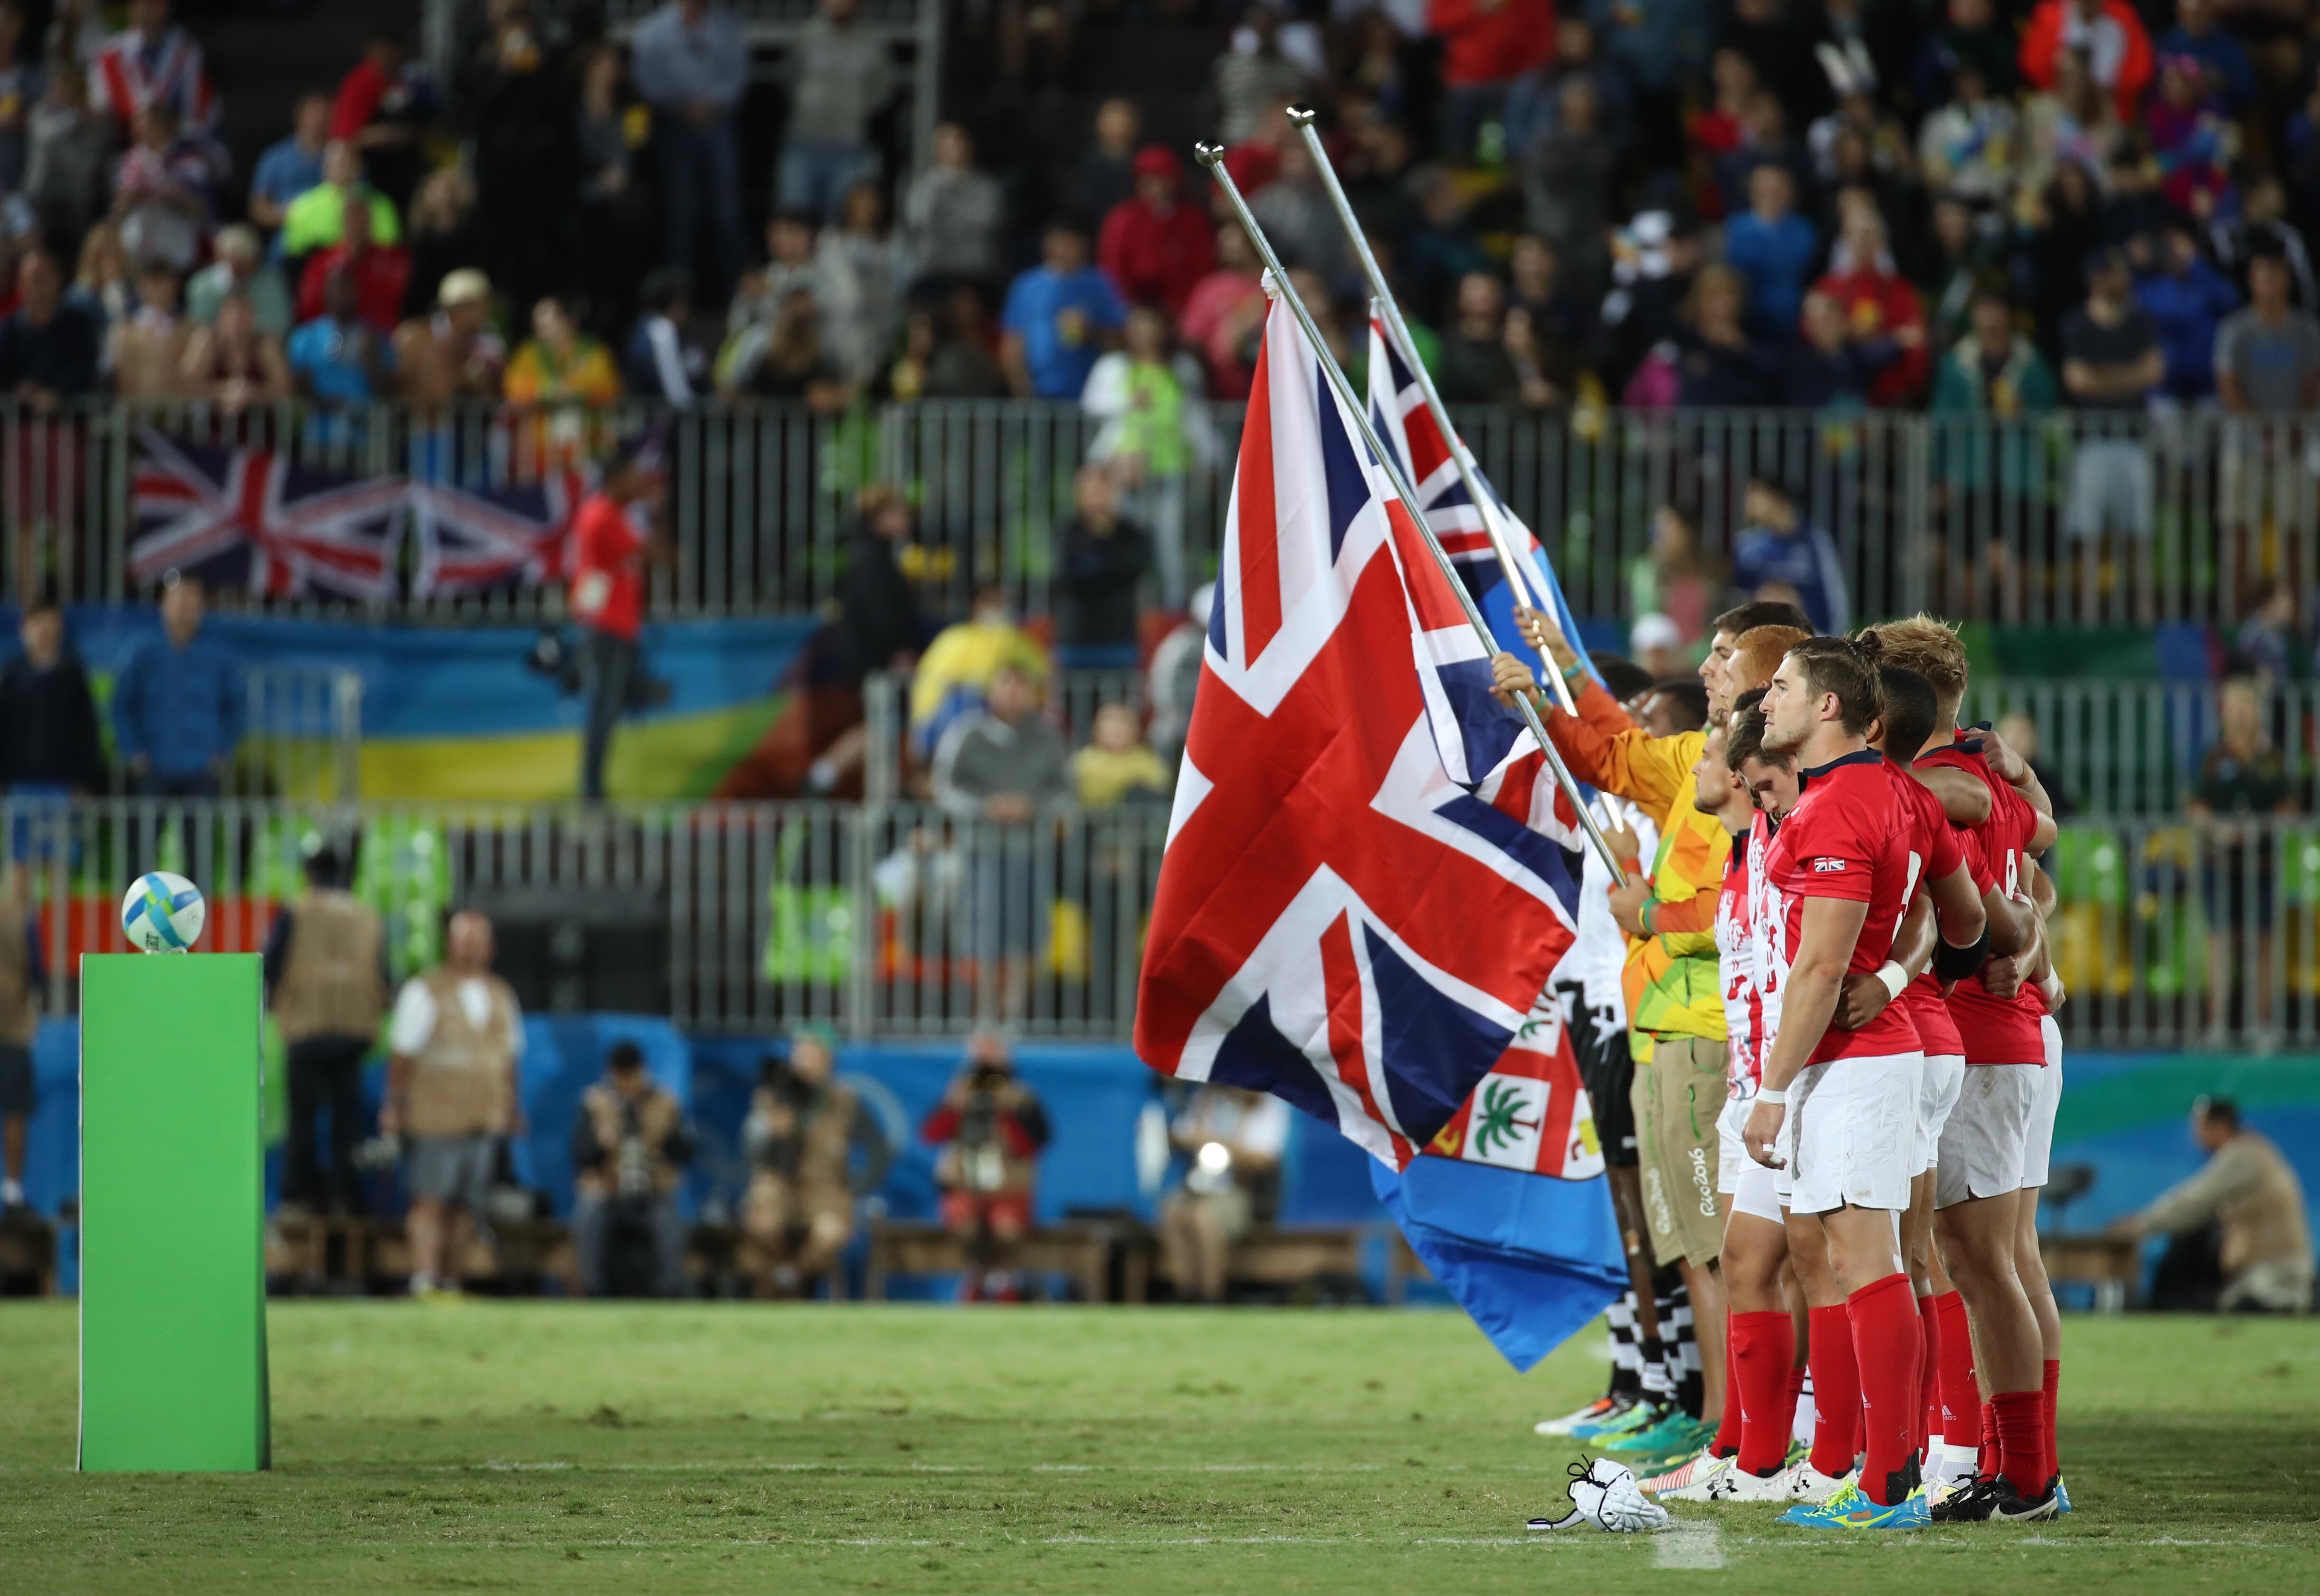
2013 1508
1973 1502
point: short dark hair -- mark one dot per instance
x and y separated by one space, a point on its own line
2223 1110
1835 665
1747 700
1745 740
325 866
1691 693
1912 708
1756 613
624 1057
1623 678
1064 221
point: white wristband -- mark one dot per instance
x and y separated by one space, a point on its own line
1776 1094
1894 977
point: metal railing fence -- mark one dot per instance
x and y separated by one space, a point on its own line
898 920
2066 519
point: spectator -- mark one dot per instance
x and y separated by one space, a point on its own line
878 606
1877 304
613 227
1780 555
327 984
1716 362
381 273
1773 248
153 62
2262 222
521 100
1671 579
1060 315
161 193
1156 248
1968 147
609 553
145 350
1148 437
2244 782
1118 766
2074 122
2118 48
1296 213
944 354
2267 357
2240 1240
952 214
2192 141
658 362
790 266
1475 368
629 1143
20 86
1101 562
1656 643
1969 35
1175 678
1225 317
803 1130
1777 44
292 167
1104 174
1836 367
1254 83
1570 175
339 362
1234 1140
50 746
48 346
67 144
1486 45
235 363
178 703
862 272
1993 373
2189 300
842 79
565 374
453 1091
791 362
384 107
240 268
2019 732
1534 103
2262 646
691 63
2065 228
453 354
444 236
1963 259
24 983
317 218
2223 61
2111 363
1441 250
990 1128
1004 770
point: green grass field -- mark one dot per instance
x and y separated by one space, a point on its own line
537 1447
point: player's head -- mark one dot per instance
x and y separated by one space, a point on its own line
1623 678
1756 655
1714 783
1771 778
1822 682
1929 646
1912 710
1730 627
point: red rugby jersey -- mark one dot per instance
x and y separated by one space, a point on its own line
1938 847
1849 837
1736 962
1995 1030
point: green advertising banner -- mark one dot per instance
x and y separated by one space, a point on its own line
173 1268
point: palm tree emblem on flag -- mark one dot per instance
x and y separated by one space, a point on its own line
1498 1124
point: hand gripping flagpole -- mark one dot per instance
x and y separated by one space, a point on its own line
1485 503
1212 155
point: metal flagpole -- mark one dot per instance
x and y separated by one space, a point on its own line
1485 505
1212 155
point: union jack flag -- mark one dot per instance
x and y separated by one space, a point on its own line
248 518
472 540
1341 921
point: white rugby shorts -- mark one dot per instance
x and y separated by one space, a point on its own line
1752 1188
1851 1135
1981 1148
2038 1142
1937 1095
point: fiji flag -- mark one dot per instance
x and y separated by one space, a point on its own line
1398 410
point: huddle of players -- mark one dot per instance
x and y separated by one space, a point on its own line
1893 1074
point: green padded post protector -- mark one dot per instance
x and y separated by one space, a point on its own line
173 1196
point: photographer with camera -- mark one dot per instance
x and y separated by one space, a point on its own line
990 1130
1235 1141
801 1136
627 1143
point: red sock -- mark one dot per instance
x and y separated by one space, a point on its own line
1986 1463
1884 1319
2053 1391
1762 1345
1929 1398
1960 1401
1728 1429
2022 1440
1792 1390
1837 1391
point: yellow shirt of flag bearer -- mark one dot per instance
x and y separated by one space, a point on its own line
1530 1112
1670 980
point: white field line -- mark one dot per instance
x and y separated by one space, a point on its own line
1688 1543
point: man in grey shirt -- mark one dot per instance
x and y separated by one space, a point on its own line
2268 356
690 61
842 78
997 773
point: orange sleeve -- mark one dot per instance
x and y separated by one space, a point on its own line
1695 913
1606 749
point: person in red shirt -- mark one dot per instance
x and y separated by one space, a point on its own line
1836 1109
380 108
1879 303
609 553
1486 45
1155 248
2118 46
381 273
990 1130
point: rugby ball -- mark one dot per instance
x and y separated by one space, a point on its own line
163 913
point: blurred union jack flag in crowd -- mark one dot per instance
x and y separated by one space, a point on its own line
247 518
1342 919
472 539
